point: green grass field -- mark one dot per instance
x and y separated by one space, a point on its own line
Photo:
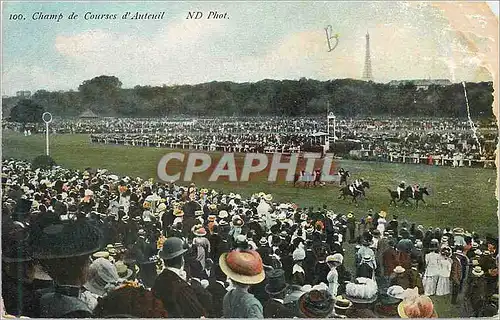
470 191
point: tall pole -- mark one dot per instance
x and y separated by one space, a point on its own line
47 118
334 129
47 138
327 140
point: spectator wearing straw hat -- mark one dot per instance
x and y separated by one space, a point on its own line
387 304
341 307
400 278
171 286
416 306
333 261
362 293
476 293
298 272
201 244
366 268
244 268
431 275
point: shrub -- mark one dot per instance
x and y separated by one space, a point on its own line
43 162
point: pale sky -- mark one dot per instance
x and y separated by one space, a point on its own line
260 40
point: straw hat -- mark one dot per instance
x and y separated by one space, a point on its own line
337 257
342 303
178 212
243 266
161 207
299 254
268 197
223 214
101 254
421 307
123 271
477 271
199 231
399 269
198 213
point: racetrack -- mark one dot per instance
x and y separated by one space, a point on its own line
470 193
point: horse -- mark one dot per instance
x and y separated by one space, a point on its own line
419 195
312 179
403 197
408 194
345 191
343 177
317 177
298 178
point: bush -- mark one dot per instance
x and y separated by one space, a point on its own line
43 162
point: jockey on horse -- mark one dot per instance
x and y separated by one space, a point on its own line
415 188
400 188
356 185
343 175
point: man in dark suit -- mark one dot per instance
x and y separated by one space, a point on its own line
276 288
171 286
217 288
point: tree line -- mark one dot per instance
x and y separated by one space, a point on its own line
105 96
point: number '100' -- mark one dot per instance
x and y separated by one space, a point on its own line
15 16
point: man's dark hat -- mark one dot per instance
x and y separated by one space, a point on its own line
172 247
15 242
23 207
66 239
275 281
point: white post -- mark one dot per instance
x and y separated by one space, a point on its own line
47 138
334 129
47 118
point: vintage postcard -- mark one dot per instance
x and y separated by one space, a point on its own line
245 159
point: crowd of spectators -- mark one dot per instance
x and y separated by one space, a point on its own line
393 139
94 244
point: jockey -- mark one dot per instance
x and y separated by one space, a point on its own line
400 188
358 183
415 188
355 186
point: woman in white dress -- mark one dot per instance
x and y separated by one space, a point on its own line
381 222
444 284
431 274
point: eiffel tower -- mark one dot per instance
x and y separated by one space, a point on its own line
367 72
